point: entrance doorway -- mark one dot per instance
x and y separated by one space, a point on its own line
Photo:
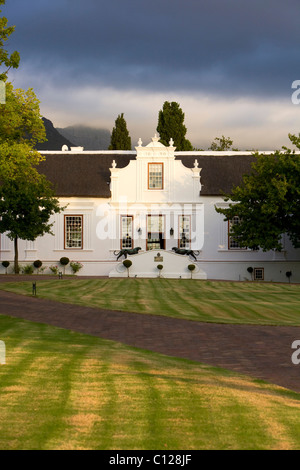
155 232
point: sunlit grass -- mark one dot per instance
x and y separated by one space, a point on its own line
64 390
207 301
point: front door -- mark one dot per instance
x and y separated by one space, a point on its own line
155 232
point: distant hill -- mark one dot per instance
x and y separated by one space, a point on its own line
55 139
87 137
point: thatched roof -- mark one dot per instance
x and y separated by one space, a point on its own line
88 174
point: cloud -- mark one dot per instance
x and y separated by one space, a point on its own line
229 64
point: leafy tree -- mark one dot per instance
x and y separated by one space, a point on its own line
120 138
267 202
221 144
26 203
20 119
171 126
7 60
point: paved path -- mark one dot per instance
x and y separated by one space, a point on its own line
263 352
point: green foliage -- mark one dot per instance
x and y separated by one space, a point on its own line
171 126
37 264
127 263
76 266
7 60
54 269
26 204
267 202
120 139
222 144
5 264
28 269
20 119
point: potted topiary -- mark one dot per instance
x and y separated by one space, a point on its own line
191 267
160 267
5 264
250 270
64 261
37 264
127 263
288 275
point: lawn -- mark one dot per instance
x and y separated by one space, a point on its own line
64 390
205 301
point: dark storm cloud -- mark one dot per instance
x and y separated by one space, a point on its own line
231 47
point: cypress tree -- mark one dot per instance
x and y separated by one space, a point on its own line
171 125
120 139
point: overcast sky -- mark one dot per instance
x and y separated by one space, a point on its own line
229 63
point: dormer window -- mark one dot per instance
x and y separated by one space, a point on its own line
155 176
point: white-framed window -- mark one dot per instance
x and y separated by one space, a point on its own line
155 176
184 239
233 244
259 274
73 232
126 231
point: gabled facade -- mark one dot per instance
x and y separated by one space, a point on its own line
153 200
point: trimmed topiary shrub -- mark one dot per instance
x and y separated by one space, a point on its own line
127 263
160 267
5 264
191 267
64 261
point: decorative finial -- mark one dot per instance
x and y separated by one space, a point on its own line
114 164
140 143
155 138
171 142
196 164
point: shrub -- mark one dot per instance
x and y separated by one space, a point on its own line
28 269
76 266
64 261
288 275
191 268
54 269
160 267
5 264
37 264
127 263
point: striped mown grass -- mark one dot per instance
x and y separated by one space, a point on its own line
207 301
63 390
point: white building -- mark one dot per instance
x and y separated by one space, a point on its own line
155 199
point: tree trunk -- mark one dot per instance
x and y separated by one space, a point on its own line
16 261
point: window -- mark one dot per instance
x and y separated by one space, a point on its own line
184 231
73 231
233 244
126 231
258 274
156 232
155 176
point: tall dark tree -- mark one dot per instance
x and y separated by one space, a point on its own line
267 202
171 126
120 138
